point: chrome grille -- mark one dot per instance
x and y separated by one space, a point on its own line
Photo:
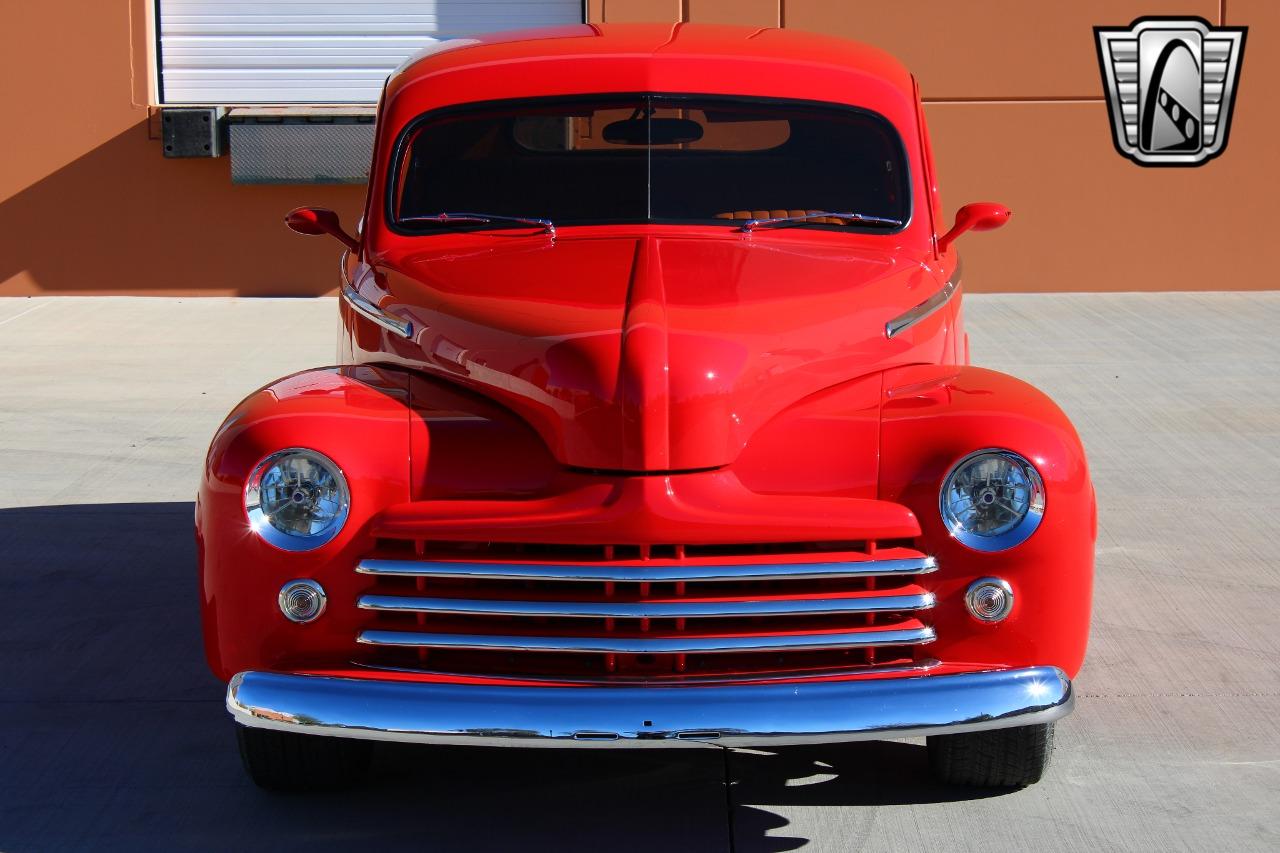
757 613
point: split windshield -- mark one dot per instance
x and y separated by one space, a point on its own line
645 158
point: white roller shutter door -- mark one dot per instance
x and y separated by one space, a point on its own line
317 51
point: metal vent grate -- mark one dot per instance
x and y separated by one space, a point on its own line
300 146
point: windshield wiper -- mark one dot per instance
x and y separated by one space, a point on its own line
859 218
546 225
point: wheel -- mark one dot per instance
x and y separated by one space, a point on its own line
286 761
1000 758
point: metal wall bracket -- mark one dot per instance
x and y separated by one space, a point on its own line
192 131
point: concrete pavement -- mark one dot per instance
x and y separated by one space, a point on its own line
112 734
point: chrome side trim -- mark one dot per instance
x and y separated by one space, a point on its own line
906 320
762 715
652 645
649 609
682 572
368 310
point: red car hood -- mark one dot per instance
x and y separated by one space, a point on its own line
650 352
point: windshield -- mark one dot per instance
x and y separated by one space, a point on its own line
651 158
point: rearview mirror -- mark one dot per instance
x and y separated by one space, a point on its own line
978 216
314 221
652 131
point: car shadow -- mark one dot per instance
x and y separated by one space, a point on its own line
113 734
766 787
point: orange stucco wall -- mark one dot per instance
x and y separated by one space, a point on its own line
89 205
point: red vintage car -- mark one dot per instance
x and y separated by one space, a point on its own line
654 426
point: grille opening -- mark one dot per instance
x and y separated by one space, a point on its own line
517 626
646 667
429 633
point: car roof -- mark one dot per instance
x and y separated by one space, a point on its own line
684 57
631 40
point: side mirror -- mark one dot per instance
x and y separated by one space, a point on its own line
978 216
314 221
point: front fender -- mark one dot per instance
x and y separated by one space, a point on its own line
357 416
397 437
932 416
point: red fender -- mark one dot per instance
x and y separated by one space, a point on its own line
377 425
356 416
931 417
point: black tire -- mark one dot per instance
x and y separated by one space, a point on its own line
1000 758
285 761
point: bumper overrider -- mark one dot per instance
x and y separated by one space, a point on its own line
748 715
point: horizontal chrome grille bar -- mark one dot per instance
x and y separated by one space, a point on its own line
654 645
651 609
640 573
922 666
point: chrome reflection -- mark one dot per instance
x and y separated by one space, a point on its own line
992 499
365 308
761 715
652 645
908 319
683 572
650 609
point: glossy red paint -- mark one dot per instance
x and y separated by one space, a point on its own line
649 386
978 216
932 416
314 221
622 352
358 417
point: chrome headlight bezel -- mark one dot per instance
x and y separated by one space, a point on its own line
1021 530
260 521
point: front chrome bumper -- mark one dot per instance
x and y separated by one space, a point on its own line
736 715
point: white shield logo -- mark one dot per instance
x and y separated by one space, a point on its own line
1171 83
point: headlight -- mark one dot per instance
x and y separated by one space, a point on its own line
992 500
297 499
